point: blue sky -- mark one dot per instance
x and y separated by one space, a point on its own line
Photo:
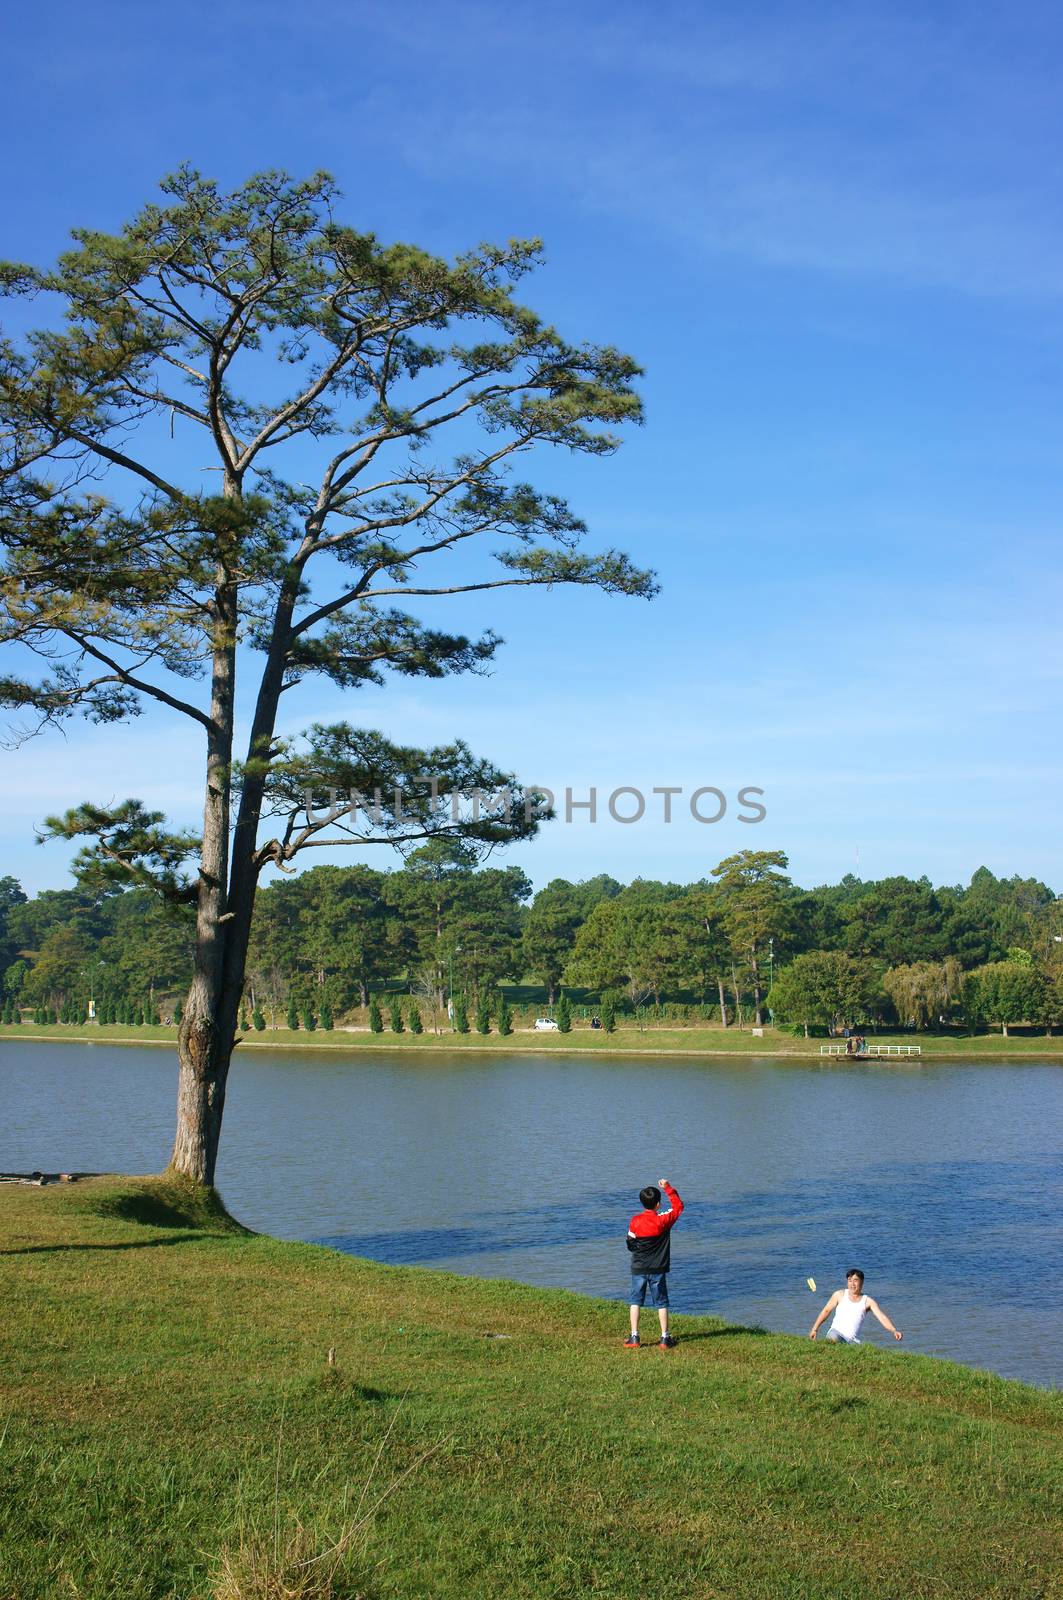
833 237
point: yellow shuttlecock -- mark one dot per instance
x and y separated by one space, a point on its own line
811 1284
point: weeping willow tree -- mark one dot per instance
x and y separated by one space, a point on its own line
360 408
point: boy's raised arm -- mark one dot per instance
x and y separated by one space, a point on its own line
672 1216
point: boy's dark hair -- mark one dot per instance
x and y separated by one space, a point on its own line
854 1272
650 1196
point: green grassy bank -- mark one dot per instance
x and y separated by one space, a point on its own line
650 1040
171 1427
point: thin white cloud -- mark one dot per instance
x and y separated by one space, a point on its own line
898 147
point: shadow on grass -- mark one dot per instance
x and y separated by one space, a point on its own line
167 1201
132 1244
335 1382
721 1333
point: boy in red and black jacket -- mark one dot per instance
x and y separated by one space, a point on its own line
649 1238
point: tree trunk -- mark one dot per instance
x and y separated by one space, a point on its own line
203 1072
226 897
738 997
205 1039
723 1003
1004 1030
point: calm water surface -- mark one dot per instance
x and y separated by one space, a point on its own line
944 1182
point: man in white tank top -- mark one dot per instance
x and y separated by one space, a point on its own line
850 1306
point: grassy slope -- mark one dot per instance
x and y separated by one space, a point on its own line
166 1387
649 1041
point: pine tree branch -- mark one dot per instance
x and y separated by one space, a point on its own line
119 460
132 682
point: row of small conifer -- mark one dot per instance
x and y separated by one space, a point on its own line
304 1017
402 1016
121 1013
118 1012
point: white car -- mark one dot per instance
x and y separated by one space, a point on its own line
546 1025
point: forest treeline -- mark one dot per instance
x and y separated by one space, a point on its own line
740 944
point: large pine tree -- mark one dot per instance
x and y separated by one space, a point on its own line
358 406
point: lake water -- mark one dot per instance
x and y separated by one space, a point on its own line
943 1181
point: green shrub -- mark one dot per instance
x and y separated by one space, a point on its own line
293 1016
483 1015
461 1015
564 1014
309 1018
416 1025
608 1013
395 1017
505 1019
376 1021
327 1023
258 1021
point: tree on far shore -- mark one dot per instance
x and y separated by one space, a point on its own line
923 991
757 903
552 921
822 986
1004 992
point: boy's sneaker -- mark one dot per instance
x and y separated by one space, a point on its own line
666 1342
632 1342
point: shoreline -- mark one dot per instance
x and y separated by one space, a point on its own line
610 1306
1023 1049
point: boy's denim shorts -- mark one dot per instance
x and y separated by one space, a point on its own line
651 1286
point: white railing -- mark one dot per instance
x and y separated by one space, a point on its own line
872 1050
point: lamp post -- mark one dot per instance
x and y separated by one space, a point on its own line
771 975
90 973
450 1002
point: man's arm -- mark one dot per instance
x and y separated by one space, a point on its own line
876 1310
825 1313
